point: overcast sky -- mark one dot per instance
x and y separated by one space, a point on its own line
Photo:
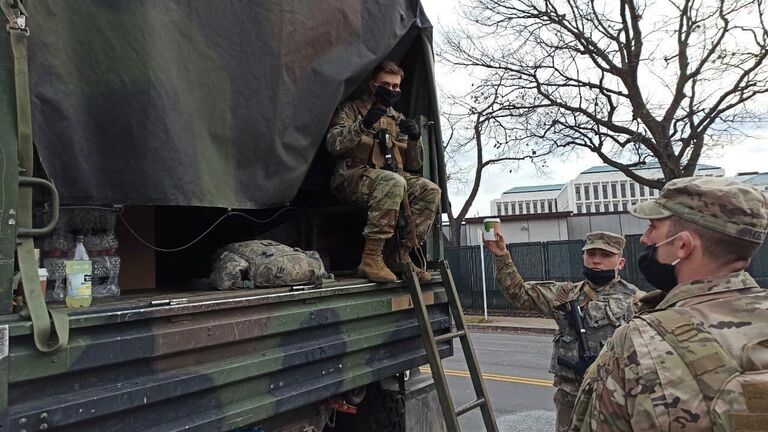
752 155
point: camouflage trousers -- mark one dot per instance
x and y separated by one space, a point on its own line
382 192
564 404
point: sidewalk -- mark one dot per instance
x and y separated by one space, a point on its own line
511 324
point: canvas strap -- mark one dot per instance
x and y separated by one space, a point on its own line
40 315
712 366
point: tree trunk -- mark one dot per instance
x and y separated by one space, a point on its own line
456 233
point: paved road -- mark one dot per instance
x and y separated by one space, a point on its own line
520 386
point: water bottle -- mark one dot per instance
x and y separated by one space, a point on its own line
79 293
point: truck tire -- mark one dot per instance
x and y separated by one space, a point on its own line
381 411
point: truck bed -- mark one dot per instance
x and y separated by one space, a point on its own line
211 361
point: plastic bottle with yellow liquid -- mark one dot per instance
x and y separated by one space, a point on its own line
79 292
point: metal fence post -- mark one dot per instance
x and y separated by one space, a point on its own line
482 273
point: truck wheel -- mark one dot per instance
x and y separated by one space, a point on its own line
381 411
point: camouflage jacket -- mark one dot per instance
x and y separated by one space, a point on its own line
354 145
638 383
604 311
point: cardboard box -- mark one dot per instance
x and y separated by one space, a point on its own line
138 264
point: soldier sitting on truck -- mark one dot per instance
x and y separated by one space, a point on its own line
360 177
607 302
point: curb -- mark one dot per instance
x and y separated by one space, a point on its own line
490 328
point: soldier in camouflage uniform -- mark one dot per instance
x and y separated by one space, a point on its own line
703 233
606 301
360 180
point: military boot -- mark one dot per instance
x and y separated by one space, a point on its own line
405 254
372 264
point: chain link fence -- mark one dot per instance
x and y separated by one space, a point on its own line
555 260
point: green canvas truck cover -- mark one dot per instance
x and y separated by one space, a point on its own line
200 103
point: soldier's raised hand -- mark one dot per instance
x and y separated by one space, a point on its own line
373 115
498 246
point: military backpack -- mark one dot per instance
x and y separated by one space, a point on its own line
737 397
265 263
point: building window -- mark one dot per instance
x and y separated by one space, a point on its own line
520 207
586 192
651 192
527 207
549 206
642 190
506 208
632 190
634 202
578 208
624 206
558 210
597 208
542 206
588 208
613 191
616 206
623 190
512 207
535 206
605 190
578 193
498 209
596 189
606 206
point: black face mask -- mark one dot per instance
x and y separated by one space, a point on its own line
598 277
661 276
385 96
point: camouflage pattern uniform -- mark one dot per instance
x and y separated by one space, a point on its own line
605 308
638 382
359 180
265 263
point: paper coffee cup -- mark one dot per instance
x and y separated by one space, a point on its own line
490 227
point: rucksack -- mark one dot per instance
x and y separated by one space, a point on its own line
265 263
737 397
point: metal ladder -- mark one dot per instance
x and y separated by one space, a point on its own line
450 414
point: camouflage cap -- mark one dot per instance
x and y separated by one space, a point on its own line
716 203
604 240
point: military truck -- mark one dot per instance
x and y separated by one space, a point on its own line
195 124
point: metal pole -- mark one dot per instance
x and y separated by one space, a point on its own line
482 272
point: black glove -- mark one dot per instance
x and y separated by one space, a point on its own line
373 115
410 128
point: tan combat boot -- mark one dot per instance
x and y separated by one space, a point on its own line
423 276
372 265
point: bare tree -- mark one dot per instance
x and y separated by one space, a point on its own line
480 135
632 81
